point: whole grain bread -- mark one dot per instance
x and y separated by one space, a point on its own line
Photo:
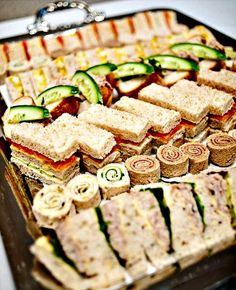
122 124
161 119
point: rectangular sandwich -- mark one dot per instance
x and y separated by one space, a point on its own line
128 128
71 42
183 219
17 57
107 34
3 64
144 31
54 46
89 36
48 153
132 236
219 102
164 122
94 258
190 108
224 80
211 192
125 30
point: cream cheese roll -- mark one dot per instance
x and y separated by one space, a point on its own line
113 179
84 190
51 204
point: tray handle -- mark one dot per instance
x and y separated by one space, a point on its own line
41 25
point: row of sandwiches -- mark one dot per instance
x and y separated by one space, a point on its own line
100 135
38 51
151 230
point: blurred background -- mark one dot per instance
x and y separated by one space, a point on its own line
20 8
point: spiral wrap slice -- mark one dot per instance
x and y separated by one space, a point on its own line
173 162
51 204
113 179
143 169
198 156
84 190
222 148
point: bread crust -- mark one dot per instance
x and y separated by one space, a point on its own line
222 149
175 165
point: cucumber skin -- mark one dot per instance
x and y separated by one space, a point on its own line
95 99
96 69
148 69
20 114
71 90
180 46
193 66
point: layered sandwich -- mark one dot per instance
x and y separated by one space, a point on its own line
165 123
130 130
48 152
192 111
211 191
221 105
183 219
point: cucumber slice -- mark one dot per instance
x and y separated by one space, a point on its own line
88 87
172 62
129 69
199 50
25 113
102 69
113 174
55 94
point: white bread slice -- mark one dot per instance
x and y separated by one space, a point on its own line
189 106
122 124
89 37
224 80
125 34
161 119
142 32
54 47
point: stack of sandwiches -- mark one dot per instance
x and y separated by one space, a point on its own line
194 103
152 229
130 130
164 122
48 153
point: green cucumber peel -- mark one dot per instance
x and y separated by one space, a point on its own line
199 50
55 94
132 69
102 69
88 87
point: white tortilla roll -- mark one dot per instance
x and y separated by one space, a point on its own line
143 169
51 204
113 179
84 190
